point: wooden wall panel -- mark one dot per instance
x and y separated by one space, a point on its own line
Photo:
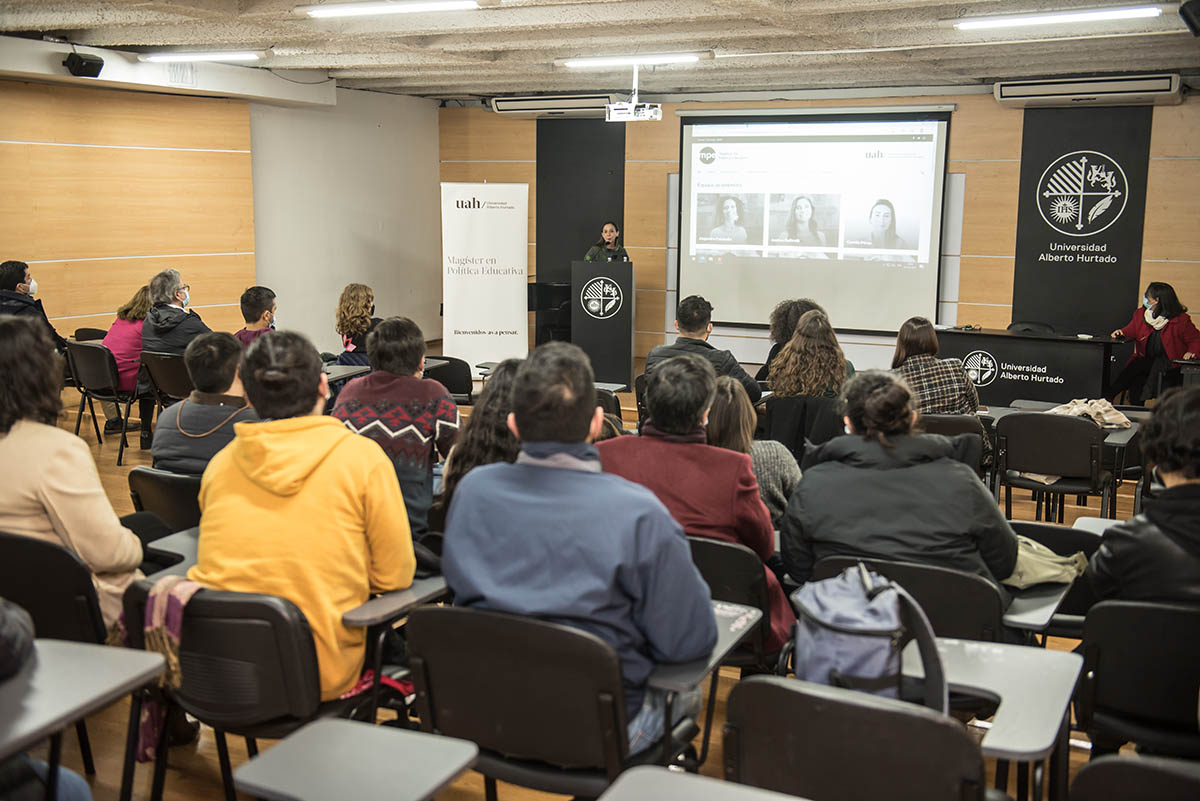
1172 210
982 129
986 316
650 311
68 114
1183 275
985 280
649 267
218 318
990 207
497 172
646 203
473 134
73 202
1173 134
642 343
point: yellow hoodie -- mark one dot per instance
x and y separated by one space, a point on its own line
304 509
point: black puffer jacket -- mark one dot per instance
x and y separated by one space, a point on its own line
169 329
19 305
914 502
723 361
1154 556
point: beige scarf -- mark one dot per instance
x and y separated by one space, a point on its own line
1155 322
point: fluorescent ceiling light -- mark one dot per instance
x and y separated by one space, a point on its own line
1061 18
226 56
648 60
370 9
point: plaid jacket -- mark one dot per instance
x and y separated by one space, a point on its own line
942 385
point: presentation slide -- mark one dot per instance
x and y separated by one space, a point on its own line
844 211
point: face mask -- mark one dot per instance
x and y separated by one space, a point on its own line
275 319
32 287
847 428
1145 302
187 298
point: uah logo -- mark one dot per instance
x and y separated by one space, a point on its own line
981 367
601 298
707 155
1082 193
473 203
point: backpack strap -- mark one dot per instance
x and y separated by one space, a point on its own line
937 694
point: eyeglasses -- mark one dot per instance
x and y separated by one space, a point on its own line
186 287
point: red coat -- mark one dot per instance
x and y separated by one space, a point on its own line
1179 335
711 492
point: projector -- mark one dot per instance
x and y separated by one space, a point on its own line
632 112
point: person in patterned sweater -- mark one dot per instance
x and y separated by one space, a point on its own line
412 418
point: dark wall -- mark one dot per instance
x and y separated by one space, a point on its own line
580 184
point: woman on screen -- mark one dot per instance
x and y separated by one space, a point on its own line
608 247
802 223
883 226
731 215
812 362
1161 330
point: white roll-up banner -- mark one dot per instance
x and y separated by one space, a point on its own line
485 271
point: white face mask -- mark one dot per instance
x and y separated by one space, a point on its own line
32 287
187 298
847 429
275 320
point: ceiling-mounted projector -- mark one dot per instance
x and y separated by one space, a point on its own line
632 112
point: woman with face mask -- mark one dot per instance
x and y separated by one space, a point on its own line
1161 331
608 247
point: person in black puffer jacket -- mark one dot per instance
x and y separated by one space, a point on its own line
170 325
886 492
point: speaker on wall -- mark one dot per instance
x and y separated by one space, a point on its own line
1190 11
82 65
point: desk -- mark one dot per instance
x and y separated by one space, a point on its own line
611 387
344 372
182 545
1034 688
391 605
331 760
1033 607
61 683
1115 438
1096 525
648 782
431 362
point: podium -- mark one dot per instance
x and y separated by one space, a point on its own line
602 317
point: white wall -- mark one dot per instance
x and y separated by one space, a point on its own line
348 194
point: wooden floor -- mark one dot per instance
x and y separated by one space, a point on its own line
194 771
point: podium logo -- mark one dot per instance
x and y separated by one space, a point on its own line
981 367
1082 193
601 298
473 203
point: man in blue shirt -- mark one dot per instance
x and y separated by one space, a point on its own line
553 537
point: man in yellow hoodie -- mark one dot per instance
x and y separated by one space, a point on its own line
300 507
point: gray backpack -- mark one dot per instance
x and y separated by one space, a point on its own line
850 632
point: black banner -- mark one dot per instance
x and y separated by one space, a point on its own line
1080 216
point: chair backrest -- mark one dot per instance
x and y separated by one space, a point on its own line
519 687
958 604
1030 327
168 374
608 402
54 586
1038 442
92 366
1140 661
833 744
454 375
951 425
639 395
734 574
245 658
792 420
172 497
1122 778
89 334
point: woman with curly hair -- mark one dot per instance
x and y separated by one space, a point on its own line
812 362
355 319
783 321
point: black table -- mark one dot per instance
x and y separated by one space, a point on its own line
1005 365
651 783
62 683
332 760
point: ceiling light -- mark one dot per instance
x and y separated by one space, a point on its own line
648 60
1061 18
370 9
244 55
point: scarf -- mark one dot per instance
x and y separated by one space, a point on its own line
1157 323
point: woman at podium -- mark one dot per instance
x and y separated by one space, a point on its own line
608 247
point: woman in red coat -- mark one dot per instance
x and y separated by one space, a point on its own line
1161 331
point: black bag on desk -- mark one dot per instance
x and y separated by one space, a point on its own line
851 631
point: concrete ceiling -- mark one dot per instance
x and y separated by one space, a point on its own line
775 45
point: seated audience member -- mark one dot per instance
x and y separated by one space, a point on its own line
811 363
17 288
485 437
942 386
258 310
1155 556
783 321
412 418
885 493
731 426
578 546
170 324
710 491
299 507
124 339
190 433
49 487
611 427
355 320
693 321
